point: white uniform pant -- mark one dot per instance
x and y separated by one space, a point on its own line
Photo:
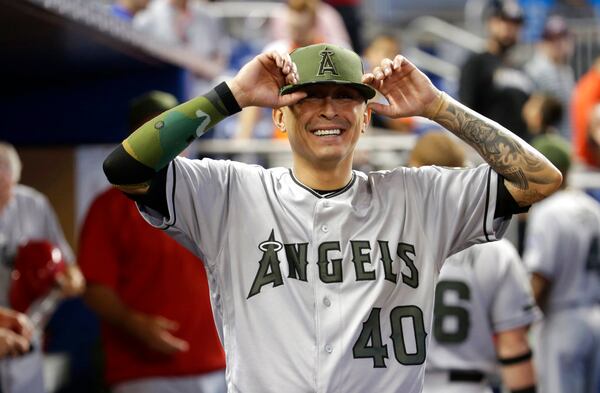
213 382
567 351
25 373
439 382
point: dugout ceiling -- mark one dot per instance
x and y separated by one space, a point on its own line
68 71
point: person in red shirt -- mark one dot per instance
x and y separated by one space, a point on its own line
151 294
585 97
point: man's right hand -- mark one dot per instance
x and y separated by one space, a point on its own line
12 344
16 322
259 81
155 332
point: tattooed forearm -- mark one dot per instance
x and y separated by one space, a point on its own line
510 156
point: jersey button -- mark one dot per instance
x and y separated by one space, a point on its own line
325 228
325 203
326 302
328 348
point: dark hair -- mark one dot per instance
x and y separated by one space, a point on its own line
147 106
551 111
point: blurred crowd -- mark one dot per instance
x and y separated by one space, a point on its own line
151 295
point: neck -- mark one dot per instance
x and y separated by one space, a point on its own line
323 177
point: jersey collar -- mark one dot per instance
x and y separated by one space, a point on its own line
328 195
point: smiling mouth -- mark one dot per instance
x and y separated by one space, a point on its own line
335 132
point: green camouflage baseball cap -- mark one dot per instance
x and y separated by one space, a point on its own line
327 63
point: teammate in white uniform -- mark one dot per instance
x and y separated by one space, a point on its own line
563 255
322 277
483 305
25 215
483 309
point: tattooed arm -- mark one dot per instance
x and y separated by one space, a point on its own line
529 176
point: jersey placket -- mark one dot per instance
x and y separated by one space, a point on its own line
327 284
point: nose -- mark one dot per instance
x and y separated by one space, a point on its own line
327 108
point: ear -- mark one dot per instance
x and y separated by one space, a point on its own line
277 116
366 119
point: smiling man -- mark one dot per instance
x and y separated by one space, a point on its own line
322 277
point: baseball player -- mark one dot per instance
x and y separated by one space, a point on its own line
26 214
562 255
483 306
322 277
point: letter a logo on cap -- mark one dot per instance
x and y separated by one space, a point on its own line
327 64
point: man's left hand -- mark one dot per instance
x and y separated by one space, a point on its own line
408 91
71 282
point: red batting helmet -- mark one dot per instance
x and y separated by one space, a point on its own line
36 266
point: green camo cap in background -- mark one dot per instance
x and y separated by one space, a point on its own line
326 63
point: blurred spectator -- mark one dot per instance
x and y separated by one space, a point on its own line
489 84
328 24
381 47
150 293
542 114
550 69
127 9
302 31
350 10
301 26
25 215
563 256
593 132
189 24
437 148
585 97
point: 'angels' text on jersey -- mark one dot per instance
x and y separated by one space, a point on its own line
330 269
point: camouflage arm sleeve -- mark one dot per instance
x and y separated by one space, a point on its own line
152 146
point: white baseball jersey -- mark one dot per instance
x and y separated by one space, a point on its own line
325 293
563 236
481 291
563 245
27 216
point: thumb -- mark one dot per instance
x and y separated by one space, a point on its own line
166 324
175 342
290 99
61 279
21 344
380 108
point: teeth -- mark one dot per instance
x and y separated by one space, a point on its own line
336 131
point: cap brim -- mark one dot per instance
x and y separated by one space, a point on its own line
365 90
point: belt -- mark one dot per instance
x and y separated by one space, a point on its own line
465 376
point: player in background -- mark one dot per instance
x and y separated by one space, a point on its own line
150 293
563 256
25 215
483 305
322 277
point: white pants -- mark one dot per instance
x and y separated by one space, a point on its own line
206 383
439 382
567 351
23 374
